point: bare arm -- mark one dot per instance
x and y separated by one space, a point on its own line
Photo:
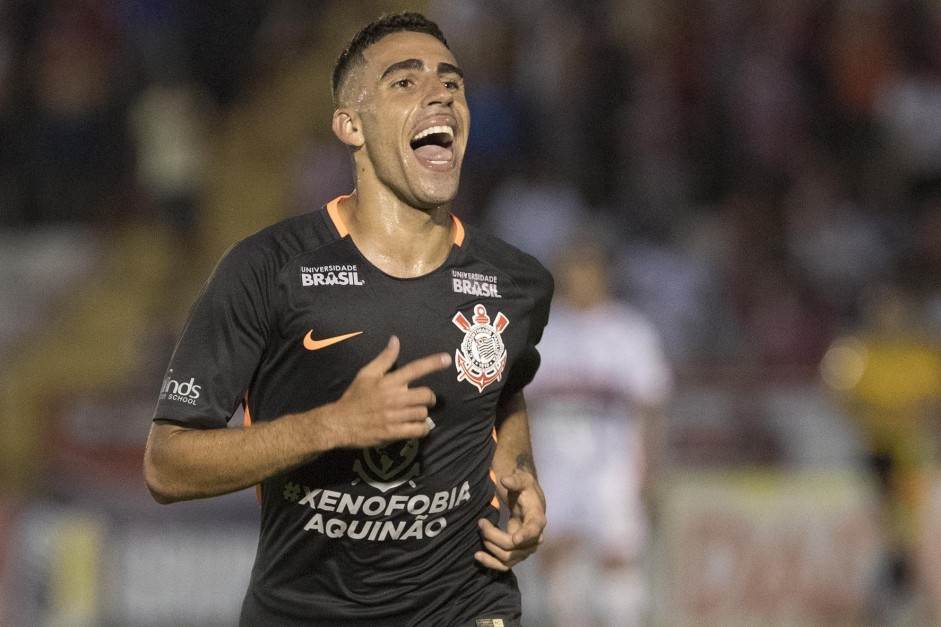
514 449
655 452
181 463
379 406
517 486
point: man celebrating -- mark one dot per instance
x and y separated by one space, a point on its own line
380 349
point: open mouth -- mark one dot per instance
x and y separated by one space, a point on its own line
434 147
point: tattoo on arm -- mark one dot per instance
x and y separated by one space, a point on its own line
524 461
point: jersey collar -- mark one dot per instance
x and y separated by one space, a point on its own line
333 210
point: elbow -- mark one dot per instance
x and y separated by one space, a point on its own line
158 484
161 496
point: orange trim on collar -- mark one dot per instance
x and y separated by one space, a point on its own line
458 231
333 210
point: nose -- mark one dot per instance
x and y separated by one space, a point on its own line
438 93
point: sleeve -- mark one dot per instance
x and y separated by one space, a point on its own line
221 345
524 370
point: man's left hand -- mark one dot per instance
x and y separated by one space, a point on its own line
523 535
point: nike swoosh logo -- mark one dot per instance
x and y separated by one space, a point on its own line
315 345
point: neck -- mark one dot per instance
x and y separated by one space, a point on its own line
400 240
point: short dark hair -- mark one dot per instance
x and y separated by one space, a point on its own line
373 32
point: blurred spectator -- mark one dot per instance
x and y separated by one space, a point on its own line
169 124
675 278
551 74
222 33
322 171
501 130
908 108
652 173
860 54
159 32
836 244
788 327
767 99
922 261
598 436
76 157
10 190
535 209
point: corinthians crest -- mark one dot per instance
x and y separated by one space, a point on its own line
482 356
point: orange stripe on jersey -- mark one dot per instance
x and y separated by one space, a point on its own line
333 210
495 501
247 421
458 231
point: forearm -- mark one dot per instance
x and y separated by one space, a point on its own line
182 463
514 448
379 406
517 486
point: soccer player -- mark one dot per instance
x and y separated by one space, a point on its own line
380 349
598 412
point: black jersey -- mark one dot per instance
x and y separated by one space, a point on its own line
385 535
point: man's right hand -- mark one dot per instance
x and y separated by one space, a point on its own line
379 406
183 463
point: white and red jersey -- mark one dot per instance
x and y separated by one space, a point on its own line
598 368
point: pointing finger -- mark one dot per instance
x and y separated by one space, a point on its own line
421 367
384 361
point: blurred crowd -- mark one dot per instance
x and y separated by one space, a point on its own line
767 176
763 165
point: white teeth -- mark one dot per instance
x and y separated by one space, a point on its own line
446 130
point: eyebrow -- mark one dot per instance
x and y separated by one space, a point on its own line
418 64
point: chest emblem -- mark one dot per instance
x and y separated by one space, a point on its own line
482 356
390 465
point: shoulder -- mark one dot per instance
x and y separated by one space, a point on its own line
270 248
289 237
527 272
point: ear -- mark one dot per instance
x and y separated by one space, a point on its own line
347 127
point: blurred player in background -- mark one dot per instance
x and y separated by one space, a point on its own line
887 373
597 410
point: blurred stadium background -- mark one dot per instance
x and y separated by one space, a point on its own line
771 170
